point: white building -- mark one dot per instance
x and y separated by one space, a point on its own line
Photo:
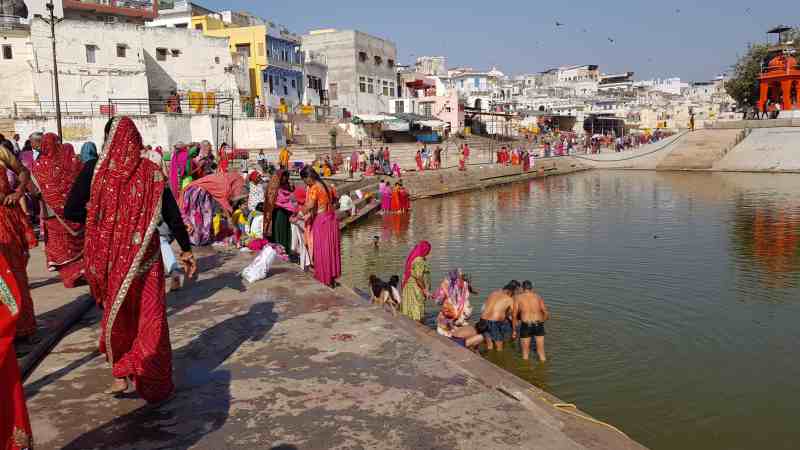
672 86
177 14
316 79
99 62
432 65
361 69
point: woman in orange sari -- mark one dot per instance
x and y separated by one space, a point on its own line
320 210
396 206
16 237
123 261
54 173
15 426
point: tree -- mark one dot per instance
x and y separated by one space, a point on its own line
743 84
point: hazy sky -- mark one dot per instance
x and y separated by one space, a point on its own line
693 39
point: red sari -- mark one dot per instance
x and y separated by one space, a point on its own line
15 426
16 238
54 172
123 264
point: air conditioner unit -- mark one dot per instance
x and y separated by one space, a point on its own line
111 19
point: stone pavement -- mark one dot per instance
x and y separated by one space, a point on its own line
287 363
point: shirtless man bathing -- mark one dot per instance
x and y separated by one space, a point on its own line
530 310
496 311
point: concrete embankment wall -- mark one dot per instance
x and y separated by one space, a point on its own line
764 150
433 183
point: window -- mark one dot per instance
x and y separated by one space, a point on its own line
216 60
122 50
175 53
391 89
399 106
198 27
427 109
310 81
7 52
181 25
390 63
260 49
333 91
285 90
385 87
362 56
370 87
378 60
90 54
243 50
161 54
294 84
362 84
271 85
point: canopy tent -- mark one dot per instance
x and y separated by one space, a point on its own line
434 124
370 118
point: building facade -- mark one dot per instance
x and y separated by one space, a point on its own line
361 69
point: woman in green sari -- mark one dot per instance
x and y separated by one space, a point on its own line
416 282
279 206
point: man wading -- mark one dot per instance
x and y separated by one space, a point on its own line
495 315
529 308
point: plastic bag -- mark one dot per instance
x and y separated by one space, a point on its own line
260 267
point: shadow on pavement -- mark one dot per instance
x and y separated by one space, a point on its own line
202 399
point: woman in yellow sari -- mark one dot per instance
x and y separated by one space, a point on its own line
416 282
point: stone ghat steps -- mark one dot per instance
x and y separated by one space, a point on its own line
318 134
699 150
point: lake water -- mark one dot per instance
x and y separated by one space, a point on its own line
675 296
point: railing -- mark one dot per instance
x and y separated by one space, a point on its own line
13 23
130 106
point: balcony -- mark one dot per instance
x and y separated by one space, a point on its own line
13 23
131 8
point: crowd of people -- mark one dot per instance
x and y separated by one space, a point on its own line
108 219
514 312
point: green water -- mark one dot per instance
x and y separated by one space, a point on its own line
675 296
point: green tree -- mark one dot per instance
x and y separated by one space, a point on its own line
743 84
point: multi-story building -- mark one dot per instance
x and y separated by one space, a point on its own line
361 69
315 68
429 97
432 65
102 61
672 86
177 14
616 84
282 79
110 11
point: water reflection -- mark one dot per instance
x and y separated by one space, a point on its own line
767 234
670 293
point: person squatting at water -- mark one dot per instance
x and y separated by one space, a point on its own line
532 313
383 293
495 316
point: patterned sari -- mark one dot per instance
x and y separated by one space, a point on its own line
15 427
123 263
16 238
54 172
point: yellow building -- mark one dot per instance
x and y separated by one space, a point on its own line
248 42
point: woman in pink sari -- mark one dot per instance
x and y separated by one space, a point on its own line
54 173
320 210
385 191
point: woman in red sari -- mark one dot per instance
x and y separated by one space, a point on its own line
123 264
54 173
15 426
16 237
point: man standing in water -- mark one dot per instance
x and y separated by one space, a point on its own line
529 308
499 306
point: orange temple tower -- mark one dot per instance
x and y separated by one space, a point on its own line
779 82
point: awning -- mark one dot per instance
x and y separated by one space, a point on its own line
370 118
395 125
434 124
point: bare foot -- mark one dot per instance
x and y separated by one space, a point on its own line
119 386
175 284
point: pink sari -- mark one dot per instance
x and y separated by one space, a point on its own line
326 248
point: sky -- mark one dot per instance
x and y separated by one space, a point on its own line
695 40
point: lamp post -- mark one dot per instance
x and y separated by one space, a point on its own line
52 21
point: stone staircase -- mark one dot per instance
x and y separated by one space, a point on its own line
699 150
317 134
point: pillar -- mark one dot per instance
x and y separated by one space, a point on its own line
762 98
786 88
797 92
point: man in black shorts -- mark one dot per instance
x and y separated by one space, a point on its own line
531 312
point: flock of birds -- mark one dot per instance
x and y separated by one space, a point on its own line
612 40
